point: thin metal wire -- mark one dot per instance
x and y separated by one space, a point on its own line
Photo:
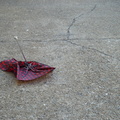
16 38
28 66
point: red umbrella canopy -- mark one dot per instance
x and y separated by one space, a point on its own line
25 70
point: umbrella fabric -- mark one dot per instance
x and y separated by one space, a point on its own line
25 70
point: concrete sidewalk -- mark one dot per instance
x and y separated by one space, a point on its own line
81 38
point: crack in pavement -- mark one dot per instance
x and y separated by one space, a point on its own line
74 20
101 52
93 9
58 40
69 40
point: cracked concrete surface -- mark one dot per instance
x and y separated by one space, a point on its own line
74 20
81 39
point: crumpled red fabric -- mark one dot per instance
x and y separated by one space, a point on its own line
25 70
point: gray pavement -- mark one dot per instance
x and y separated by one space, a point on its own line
81 38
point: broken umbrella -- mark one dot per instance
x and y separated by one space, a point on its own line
25 70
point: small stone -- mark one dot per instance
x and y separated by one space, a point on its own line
44 104
16 37
106 93
27 30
